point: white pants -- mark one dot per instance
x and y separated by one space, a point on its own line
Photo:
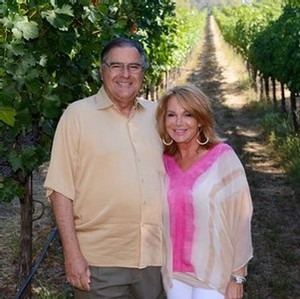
182 290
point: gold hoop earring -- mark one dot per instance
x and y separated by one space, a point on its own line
202 143
167 143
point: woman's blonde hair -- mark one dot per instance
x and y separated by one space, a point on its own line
195 102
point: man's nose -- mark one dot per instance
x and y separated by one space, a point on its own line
125 70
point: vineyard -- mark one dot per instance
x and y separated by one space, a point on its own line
51 57
267 36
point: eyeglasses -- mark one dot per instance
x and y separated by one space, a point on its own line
118 67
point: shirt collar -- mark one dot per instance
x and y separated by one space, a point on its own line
102 101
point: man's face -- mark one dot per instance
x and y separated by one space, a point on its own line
121 84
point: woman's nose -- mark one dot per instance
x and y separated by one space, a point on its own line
178 120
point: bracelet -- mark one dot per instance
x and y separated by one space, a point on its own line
238 279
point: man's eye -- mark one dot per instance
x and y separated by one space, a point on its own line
115 66
134 67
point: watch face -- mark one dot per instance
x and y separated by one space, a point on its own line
238 279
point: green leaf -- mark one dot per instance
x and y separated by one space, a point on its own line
16 49
26 29
65 10
7 115
29 160
51 106
43 60
15 161
10 189
57 17
17 33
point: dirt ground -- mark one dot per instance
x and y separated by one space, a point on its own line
274 270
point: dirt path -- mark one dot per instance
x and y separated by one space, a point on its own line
273 272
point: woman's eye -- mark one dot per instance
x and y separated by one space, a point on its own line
188 114
170 114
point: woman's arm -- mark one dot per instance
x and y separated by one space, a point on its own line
235 289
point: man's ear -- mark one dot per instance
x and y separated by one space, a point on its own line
100 74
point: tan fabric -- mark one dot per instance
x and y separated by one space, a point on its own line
191 280
111 167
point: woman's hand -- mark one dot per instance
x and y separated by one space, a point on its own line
234 290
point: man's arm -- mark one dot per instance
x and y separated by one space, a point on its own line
76 266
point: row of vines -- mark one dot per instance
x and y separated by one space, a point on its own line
50 57
267 35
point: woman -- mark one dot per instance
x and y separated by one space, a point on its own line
209 200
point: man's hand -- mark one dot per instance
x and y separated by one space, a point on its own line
78 273
76 266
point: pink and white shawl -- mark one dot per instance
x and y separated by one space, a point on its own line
210 216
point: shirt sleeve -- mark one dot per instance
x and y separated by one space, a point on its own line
61 175
241 220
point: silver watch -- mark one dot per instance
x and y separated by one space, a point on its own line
238 279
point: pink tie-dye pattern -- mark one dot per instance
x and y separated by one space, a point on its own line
181 204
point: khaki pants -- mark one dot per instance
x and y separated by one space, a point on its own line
124 283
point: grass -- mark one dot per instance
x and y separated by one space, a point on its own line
285 141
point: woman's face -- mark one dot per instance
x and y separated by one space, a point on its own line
180 124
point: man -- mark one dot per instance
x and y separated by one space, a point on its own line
105 183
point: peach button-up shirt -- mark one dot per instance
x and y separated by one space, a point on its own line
111 167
